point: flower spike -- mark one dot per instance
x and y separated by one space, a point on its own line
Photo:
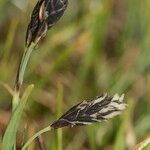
100 109
45 14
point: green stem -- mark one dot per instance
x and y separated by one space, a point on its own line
15 100
20 74
23 65
35 136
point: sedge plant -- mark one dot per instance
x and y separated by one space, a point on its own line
45 14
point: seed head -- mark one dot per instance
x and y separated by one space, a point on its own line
45 14
97 110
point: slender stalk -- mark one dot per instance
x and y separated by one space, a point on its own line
20 74
143 144
15 100
23 65
35 136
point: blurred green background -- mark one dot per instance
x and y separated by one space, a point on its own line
98 46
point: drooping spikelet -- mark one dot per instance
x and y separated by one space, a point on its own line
45 14
97 110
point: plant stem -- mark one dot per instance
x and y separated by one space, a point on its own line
20 74
15 100
35 136
143 144
23 65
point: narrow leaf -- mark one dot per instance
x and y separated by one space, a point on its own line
10 133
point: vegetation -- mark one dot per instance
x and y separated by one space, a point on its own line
97 47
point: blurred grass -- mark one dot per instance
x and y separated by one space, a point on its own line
98 46
59 142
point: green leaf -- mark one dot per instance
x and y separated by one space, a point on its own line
10 133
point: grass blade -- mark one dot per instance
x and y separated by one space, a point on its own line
10 134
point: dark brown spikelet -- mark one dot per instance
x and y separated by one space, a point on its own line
100 109
45 14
